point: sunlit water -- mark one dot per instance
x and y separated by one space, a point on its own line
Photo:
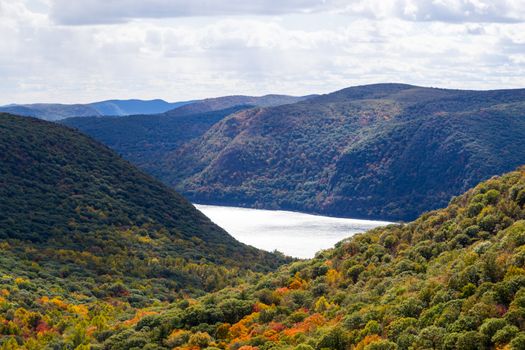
294 234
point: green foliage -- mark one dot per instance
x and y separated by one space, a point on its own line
387 151
86 240
430 293
448 280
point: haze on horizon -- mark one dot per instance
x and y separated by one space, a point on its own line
83 51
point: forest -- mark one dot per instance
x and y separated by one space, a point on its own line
452 279
382 151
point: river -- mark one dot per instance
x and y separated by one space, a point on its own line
295 234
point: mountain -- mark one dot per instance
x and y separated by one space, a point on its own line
143 139
114 108
55 111
74 216
50 111
452 279
385 151
131 107
225 102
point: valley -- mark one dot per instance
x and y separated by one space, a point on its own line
262 175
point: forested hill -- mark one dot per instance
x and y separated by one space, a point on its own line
58 111
225 102
452 279
117 108
388 151
144 139
73 214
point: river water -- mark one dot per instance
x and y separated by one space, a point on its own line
295 234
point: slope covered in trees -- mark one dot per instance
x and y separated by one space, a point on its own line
57 111
50 111
452 279
387 151
220 103
144 139
79 225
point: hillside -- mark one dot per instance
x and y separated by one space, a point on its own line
386 151
143 139
50 111
118 108
225 102
452 279
56 111
74 216
134 106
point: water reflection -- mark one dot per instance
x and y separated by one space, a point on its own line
295 234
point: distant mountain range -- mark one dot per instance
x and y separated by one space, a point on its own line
143 139
56 111
118 108
389 151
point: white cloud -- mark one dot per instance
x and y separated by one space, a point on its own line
183 58
80 12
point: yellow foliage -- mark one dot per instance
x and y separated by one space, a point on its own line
145 239
20 280
80 310
514 271
321 304
333 276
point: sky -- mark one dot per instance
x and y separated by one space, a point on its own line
78 51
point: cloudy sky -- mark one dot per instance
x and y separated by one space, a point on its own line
85 50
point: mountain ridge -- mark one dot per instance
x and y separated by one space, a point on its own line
320 155
119 108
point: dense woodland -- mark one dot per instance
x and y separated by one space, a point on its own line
452 279
386 151
141 139
95 254
83 228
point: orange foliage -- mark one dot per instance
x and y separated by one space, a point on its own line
42 328
138 316
309 324
369 339
276 326
282 290
271 335
239 330
296 284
